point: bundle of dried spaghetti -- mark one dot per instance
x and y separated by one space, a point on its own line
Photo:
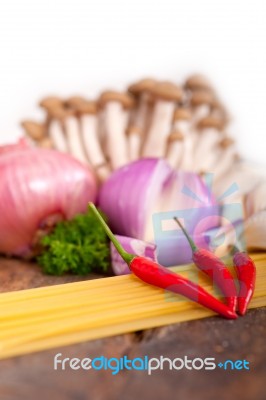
43 318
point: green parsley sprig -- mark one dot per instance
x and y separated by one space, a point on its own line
79 246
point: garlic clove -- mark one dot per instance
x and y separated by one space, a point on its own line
255 200
241 174
255 231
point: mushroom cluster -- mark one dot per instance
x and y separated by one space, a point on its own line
187 124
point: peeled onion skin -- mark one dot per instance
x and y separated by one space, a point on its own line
132 246
37 187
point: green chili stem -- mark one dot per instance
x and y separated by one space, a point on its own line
234 249
190 240
124 254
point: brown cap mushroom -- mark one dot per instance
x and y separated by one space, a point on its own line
167 91
174 136
51 102
226 142
55 108
34 130
198 82
145 85
211 121
200 97
126 100
82 106
182 113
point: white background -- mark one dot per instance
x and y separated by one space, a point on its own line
68 47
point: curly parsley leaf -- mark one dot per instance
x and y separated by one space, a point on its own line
79 246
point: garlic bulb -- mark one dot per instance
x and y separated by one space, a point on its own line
255 231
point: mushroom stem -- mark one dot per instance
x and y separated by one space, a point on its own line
89 123
89 131
115 106
166 96
138 127
178 151
175 149
73 134
56 133
102 132
54 108
201 111
226 159
155 144
134 142
115 125
210 132
200 102
140 117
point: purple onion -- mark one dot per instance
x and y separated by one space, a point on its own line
140 190
36 185
132 246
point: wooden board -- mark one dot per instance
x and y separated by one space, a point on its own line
32 377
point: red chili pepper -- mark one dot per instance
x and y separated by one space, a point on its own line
246 273
157 275
212 266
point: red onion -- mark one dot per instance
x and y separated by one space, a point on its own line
36 184
133 246
8 148
128 195
136 193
